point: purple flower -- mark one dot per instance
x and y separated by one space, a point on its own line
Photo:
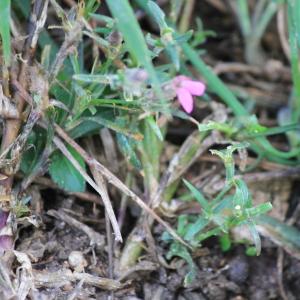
185 89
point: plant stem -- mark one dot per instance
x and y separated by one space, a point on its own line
264 20
242 12
12 126
259 7
186 15
294 31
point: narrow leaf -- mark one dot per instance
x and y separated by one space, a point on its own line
5 29
198 195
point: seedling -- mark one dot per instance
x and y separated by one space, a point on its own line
231 207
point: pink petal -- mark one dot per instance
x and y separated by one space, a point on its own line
185 99
180 78
196 88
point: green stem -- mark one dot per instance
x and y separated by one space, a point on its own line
186 16
259 7
272 131
294 31
266 145
265 19
243 17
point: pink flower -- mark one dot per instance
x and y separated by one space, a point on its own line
185 89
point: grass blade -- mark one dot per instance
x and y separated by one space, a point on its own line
5 29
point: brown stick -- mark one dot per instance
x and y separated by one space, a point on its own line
64 276
110 244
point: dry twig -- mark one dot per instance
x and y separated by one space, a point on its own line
65 276
96 239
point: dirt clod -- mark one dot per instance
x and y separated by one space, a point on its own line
238 269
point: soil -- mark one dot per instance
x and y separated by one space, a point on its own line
220 275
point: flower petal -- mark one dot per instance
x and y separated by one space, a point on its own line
196 88
180 78
185 99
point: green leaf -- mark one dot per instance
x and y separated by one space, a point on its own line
225 242
90 7
258 210
113 125
198 195
154 126
64 174
92 78
211 125
182 38
127 146
166 33
193 229
255 236
5 29
158 14
179 250
45 57
213 81
172 52
62 93
35 146
84 128
102 18
228 161
251 251
241 197
182 223
150 149
226 156
282 234
294 41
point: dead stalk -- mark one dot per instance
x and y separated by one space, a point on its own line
12 126
110 244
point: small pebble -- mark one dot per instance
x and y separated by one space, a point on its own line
238 270
77 261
